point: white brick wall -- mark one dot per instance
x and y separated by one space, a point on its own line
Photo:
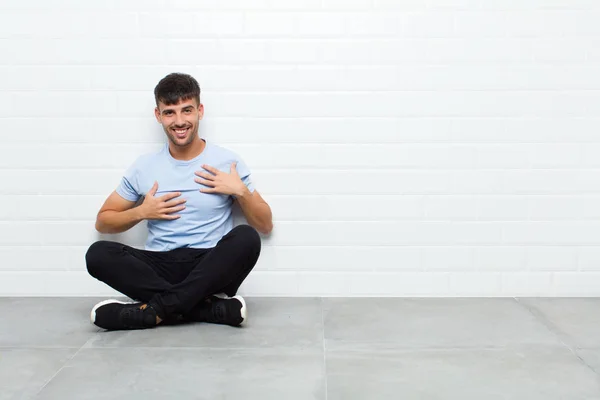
407 148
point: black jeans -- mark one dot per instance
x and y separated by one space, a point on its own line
176 281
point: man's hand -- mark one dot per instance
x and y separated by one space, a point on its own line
221 182
161 207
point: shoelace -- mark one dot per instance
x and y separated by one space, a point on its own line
134 317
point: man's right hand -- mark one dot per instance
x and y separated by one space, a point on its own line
161 207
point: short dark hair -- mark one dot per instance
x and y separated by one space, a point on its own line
175 87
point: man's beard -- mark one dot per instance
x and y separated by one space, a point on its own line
173 137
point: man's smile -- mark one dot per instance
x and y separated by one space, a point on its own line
181 132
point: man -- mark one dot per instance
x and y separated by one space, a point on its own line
193 262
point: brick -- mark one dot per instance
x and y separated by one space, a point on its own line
500 258
449 259
556 258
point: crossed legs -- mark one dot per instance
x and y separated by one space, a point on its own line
177 283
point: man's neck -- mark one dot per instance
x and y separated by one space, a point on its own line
189 152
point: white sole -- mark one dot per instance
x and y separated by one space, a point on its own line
103 303
243 311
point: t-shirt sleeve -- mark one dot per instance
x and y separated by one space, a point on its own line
244 173
129 186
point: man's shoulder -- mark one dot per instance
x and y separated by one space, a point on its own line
220 148
223 153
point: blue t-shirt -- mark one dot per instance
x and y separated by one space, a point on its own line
207 217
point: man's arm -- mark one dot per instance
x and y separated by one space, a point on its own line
118 215
256 210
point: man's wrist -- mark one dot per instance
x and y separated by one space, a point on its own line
140 213
242 193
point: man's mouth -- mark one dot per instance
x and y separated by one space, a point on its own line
181 132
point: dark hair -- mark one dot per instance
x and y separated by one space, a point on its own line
175 87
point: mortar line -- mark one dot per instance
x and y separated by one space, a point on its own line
64 364
324 349
561 336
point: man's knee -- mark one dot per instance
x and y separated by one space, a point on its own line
249 237
95 258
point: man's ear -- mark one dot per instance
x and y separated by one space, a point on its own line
200 111
157 114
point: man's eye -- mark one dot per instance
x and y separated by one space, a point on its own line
187 111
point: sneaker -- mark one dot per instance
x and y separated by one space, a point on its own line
118 315
225 311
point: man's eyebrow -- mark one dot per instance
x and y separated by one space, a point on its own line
170 109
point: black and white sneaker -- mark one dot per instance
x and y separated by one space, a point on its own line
218 310
119 315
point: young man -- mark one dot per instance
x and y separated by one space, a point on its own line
193 262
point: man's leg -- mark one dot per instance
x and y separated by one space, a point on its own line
232 288
133 272
172 290
222 269
138 274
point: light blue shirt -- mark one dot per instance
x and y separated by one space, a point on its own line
207 217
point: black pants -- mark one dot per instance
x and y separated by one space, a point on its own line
176 281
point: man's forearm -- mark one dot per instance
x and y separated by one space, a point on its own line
118 221
257 213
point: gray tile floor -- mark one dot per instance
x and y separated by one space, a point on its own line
310 348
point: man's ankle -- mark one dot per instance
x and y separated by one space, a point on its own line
158 319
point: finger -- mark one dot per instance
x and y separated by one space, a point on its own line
173 209
205 175
233 166
173 203
153 189
170 196
203 182
171 217
211 169
212 190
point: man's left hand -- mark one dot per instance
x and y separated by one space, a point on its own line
221 182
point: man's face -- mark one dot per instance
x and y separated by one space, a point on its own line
180 121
